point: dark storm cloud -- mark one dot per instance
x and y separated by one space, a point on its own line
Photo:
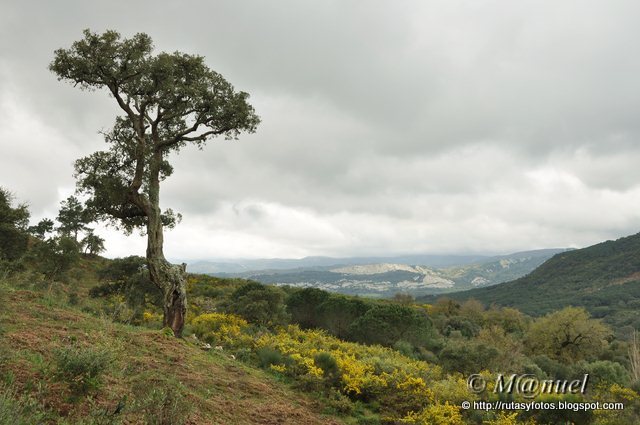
387 126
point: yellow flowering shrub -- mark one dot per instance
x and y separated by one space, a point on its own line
398 383
278 368
616 393
148 317
221 328
435 414
453 389
503 418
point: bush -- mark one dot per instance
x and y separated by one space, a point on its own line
603 371
329 366
340 403
220 328
268 356
437 414
82 368
126 283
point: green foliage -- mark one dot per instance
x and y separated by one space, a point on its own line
603 371
13 226
465 327
82 368
178 100
269 356
338 313
552 368
369 383
509 319
93 244
128 278
388 323
602 278
340 403
467 357
568 335
73 218
329 366
303 306
259 304
42 229
55 256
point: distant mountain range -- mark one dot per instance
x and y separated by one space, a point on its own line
604 278
247 265
383 276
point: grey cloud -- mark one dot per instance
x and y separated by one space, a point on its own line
405 126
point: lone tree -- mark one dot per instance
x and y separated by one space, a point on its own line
72 218
168 100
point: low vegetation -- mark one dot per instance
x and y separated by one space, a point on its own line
87 345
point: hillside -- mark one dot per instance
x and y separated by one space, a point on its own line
79 351
149 378
604 278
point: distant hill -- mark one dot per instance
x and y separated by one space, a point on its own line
245 265
386 276
604 278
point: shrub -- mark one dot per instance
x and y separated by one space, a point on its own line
268 356
603 371
220 328
81 368
340 403
328 364
436 414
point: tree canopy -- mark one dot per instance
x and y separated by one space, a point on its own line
168 101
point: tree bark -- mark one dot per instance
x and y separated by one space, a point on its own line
167 277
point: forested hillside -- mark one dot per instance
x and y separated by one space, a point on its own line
604 278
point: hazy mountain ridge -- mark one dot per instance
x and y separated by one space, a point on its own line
245 265
385 276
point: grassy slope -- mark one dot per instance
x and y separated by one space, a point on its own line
605 278
221 390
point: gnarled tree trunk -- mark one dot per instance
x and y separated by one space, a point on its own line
167 277
171 279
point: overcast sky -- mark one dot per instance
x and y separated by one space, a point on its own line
387 127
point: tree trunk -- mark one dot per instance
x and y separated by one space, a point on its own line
167 277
